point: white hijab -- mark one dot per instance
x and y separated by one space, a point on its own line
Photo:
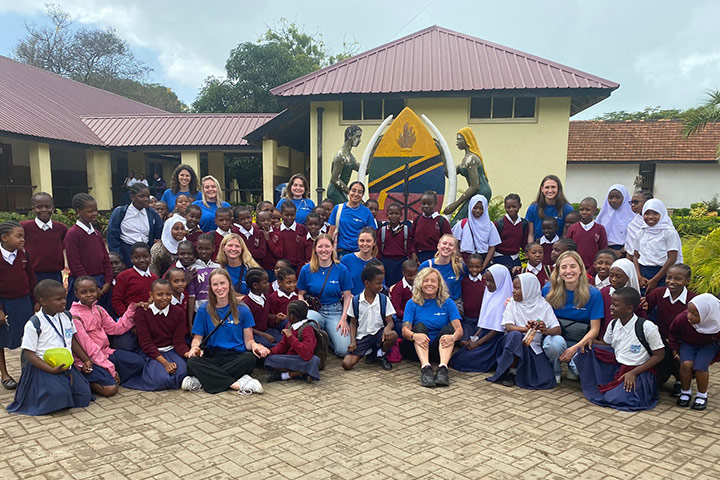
708 307
616 221
532 307
628 268
651 234
493 303
167 239
478 234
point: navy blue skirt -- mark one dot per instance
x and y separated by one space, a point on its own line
127 341
19 311
594 372
155 377
40 393
534 371
127 364
100 376
264 342
293 363
57 276
393 269
480 359
469 326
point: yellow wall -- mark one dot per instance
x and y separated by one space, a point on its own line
279 163
517 155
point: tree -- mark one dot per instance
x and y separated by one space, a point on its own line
707 112
649 113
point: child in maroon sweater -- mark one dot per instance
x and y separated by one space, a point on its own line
223 220
252 236
473 289
192 220
293 356
134 284
394 245
313 224
281 298
401 292
273 247
549 229
427 229
513 231
257 281
44 239
292 236
589 236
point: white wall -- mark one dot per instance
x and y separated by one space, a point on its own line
679 185
593 180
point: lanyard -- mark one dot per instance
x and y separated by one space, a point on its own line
62 337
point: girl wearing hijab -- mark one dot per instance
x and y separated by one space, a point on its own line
481 351
163 253
478 233
524 363
615 215
657 247
622 274
636 205
693 340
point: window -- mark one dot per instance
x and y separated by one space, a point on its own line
502 107
372 109
647 172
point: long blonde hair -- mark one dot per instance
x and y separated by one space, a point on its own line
417 293
314 260
219 198
456 260
245 257
213 300
557 296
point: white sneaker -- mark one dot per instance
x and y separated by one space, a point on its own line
571 375
191 384
249 385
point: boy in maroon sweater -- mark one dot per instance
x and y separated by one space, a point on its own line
427 229
44 239
251 235
281 298
549 230
401 292
394 244
513 231
223 220
473 290
589 236
134 284
273 247
292 236
192 218
313 224
257 281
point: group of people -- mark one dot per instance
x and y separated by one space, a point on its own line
197 294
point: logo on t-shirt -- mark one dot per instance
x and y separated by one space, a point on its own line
635 348
439 314
357 220
333 281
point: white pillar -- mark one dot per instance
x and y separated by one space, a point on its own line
269 158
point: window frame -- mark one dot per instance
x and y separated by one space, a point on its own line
363 121
513 119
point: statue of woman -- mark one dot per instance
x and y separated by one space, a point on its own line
472 168
343 165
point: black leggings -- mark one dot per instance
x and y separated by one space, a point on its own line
217 372
407 348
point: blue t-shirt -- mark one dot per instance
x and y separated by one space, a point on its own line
303 206
169 197
237 275
338 282
550 211
207 221
434 316
352 220
229 336
593 310
355 266
451 280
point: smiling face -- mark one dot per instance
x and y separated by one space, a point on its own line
141 199
186 255
244 219
675 280
287 285
220 286
474 266
489 281
549 190
375 285
618 278
430 285
116 263
14 239
43 208
88 213
193 218
232 249
141 258
602 265
184 178
517 290
86 291
276 218
366 242
637 203
297 189
162 295
427 204
181 204
615 199
478 210
355 194
393 214
178 231
569 270
210 190
651 218
446 246
323 249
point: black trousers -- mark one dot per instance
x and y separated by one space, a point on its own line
217 372
407 348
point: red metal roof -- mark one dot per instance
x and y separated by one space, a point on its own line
640 141
39 103
176 129
439 60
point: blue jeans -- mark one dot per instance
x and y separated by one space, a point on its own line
554 346
328 318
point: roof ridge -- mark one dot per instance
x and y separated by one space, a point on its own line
177 115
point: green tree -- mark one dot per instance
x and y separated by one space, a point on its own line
649 113
707 112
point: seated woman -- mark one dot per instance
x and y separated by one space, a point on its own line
431 326
522 361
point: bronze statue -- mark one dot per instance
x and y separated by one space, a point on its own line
472 168
343 165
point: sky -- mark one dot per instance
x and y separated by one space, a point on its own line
663 53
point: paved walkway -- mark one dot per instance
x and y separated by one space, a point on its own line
367 424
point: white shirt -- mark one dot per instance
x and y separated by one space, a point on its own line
473 279
222 232
406 284
297 325
246 233
145 273
369 318
175 301
544 240
534 270
156 311
89 230
285 295
682 298
587 226
291 227
135 227
601 283
9 257
49 337
259 299
628 349
517 220
654 253
132 181
43 226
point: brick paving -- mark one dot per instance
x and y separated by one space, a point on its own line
368 424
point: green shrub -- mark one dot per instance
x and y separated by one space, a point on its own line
702 254
689 226
496 208
681 212
68 217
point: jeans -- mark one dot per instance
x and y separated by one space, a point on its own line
328 318
554 346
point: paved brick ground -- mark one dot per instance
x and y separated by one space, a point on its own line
366 424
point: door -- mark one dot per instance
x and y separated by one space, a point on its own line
7 192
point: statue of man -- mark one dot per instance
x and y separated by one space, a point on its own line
343 165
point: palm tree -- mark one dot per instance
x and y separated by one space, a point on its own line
707 112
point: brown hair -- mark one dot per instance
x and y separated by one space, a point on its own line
213 300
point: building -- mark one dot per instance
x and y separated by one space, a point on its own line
677 170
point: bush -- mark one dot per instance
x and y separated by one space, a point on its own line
682 212
496 208
702 254
689 226
68 217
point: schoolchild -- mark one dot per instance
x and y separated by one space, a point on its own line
535 254
293 356
276 219
657 246
478 234
328 205
44 239
134 284
163 254
513 231
252 236
394 245
589 236
633 229
192 220
356 262
548 239
473 289
273 247
177 279
401 292
133 223
257 302
280 264
571 218
223 221
622 274
374 207
198 287
603 261
615 215
281 298
160 207
427 228
313 225
292 236
181 205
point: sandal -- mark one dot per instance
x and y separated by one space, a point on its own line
9 384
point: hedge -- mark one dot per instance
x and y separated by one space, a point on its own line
690 226
68 217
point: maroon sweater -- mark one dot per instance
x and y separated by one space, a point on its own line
259 312
255 242
131 287
547 250
394 246
154 331
472 294
45 248
605 292
216 247
293 346
293 244
278 304
87 254
399 296
682 331
193 235
512 239
17 280
309 244
666 311
589 243
426 232
542 277
273 251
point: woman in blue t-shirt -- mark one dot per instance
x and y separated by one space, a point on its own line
229 357
234 256
212 199
431 326
579 309
184 181
354 216
356 262
297 191
328 280
449 263
549 197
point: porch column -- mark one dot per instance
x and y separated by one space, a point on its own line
99 177
269 157
192 158
216 166
40 168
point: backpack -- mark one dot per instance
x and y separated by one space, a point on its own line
322 347
500 224
356 305
383 232
663 369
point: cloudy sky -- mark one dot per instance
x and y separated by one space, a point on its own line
663 53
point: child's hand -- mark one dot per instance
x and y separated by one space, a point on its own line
629 381
104 290
650 285
117 378
268 337
470 345
643 281
352 346
58 369
87 366
287 332
171 368
280 317
191 275
644 303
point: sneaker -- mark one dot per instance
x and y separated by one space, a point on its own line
508 380
249 385
700 403
442 378
683 400
273 377
676 389
384 363
191 384
572 375
427 379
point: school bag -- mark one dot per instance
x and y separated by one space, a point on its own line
383 232
322 347
663 369
500 224
356 305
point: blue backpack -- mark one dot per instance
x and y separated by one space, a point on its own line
356 305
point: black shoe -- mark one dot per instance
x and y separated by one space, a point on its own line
676 389
273 377
442 379
384 363
427 379
371 359
683 400
9 384
701 405
507 380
